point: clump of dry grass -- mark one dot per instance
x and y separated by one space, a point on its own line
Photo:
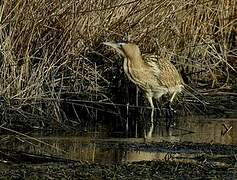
52 49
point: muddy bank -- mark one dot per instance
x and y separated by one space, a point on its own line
138 170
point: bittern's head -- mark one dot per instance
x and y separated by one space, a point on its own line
128 50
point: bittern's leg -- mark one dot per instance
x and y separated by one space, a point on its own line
152 115
172 98
170 112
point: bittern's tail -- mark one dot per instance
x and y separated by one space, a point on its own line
194 94
194 97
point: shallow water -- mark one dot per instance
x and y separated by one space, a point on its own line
87 146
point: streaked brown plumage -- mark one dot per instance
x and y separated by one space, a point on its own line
154 76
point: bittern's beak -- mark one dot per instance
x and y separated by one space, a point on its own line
116 46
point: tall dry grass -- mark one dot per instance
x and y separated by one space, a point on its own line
52 49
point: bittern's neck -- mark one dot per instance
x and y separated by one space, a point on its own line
133 66
127 70
135 60
134 56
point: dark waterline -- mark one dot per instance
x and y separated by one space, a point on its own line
87 146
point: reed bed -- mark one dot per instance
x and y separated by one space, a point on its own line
51 50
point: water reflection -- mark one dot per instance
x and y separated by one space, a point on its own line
86 147
205 130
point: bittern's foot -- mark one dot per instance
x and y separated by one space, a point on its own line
148 135
169 111
158 112
169 114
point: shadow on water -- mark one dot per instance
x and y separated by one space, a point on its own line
102 146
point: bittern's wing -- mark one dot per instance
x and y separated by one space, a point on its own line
152 61
163 70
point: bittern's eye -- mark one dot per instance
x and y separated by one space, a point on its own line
121 45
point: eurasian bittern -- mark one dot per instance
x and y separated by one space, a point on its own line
154 76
